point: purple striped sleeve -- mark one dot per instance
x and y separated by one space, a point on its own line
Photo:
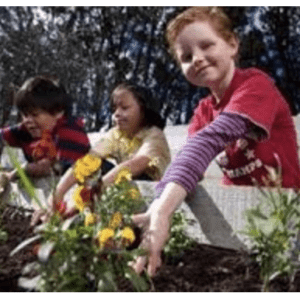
191 162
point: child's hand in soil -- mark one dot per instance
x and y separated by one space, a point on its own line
44 215
40 215
155 234
3 182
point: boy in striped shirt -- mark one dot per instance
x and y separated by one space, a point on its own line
51 139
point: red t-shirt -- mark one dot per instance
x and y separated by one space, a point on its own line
253 95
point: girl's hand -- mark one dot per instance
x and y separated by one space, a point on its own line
156 232
42 215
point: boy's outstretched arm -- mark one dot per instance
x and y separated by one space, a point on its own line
181 178
156 223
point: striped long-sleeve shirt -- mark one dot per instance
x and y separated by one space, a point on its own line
191 162
71 141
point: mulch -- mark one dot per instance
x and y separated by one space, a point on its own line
203 268
16 223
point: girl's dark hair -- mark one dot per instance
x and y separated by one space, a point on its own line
41 92
149 105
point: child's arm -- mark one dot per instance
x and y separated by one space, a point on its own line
181 178
190 164
156 225
34 169
137 166
65 183
156 147
104 148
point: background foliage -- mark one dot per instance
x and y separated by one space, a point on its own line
91 48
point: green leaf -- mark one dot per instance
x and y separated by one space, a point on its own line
107 283
27 183
3 236
138 282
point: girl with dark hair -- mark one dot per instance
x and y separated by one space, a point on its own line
136 139
148 104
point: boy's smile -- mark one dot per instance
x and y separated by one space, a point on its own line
206 59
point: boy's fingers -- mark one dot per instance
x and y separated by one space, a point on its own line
139 264
140 219
154 263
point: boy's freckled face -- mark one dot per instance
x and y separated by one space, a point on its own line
39 120
206 59
127 112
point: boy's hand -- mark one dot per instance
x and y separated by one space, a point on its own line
156 232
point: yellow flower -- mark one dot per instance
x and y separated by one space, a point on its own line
128 235
123 175
86 166
134 193
115 220
80 203
154 162
104 235
92 162
78 176
90 219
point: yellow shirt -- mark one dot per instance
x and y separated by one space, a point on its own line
150 142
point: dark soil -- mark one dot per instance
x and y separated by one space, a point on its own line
16 224
201 269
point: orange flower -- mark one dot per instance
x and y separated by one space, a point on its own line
45 147
86 194
61 207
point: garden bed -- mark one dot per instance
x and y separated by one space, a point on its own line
203 268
